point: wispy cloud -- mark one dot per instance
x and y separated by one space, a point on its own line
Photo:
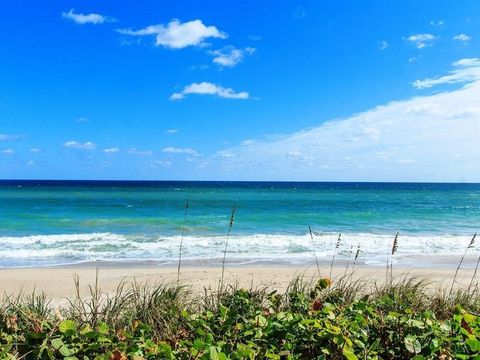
462 38
7 151
34 150
111 150
299 13
425 138
421 40
135 151
91 18
437 23
175 150
466 70
414 59
178 35
165 163
171 131
10 137
230 56
78 145
383 45
82 120
255 37
208 88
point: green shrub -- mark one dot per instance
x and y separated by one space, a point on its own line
316 320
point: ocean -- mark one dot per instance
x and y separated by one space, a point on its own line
49 223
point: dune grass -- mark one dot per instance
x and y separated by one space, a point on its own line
313 318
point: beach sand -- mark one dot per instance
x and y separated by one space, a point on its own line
58 283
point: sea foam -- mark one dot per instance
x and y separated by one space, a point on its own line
296 249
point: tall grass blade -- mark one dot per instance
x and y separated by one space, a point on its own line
181 241
314 252
470 245
232 218
337 245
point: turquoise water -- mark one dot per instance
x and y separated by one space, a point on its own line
51 223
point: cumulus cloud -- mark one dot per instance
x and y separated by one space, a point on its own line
421 40
91 18
8 151
175 150
208 88
78 145
466 70
462 38
111 150
178 35
230 56
425 138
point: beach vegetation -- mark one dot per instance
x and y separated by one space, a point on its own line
312 319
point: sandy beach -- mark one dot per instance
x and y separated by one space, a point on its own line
58 283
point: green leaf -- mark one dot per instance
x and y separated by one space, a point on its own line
349 355
86 329
473 344
412 344
57 343
103 328
261 321
66 351
213 353
67 326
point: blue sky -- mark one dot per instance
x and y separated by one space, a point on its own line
271 90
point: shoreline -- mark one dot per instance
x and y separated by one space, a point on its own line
425 262
58 282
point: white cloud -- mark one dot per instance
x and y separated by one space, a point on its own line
78 145
34 150
111 150
165 163
425 138
175 150
255 37
438 23
177 35
87 18
466 70
82 120
135 151
230 56
8 151
421 40
383 45
9 137
207 88
30 163
462 37
171 131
